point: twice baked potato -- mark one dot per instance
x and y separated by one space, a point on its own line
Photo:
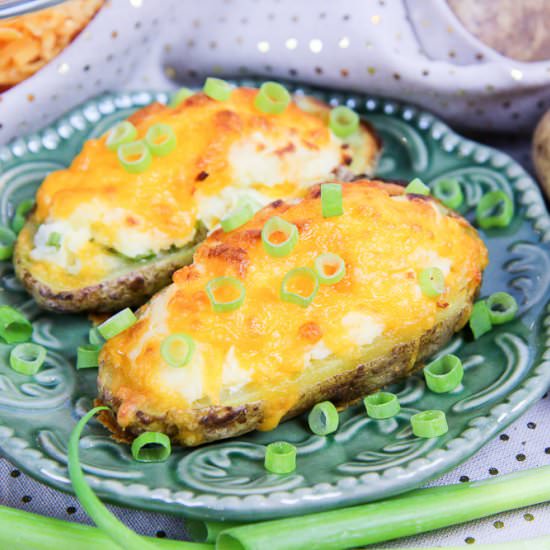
271 359
119 236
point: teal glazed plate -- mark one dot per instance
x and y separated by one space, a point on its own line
507 370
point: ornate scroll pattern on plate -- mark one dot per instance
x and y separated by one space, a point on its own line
52 386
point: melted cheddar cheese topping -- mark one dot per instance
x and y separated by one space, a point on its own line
266 347
225 151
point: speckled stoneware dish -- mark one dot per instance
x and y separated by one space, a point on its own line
506 370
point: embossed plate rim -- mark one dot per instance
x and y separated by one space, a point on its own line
350 490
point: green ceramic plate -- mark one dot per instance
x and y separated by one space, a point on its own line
507 370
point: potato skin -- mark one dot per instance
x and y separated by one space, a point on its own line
128 289
132 288
541 152
138 405
222 422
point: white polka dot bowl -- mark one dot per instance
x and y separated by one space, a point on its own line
102 57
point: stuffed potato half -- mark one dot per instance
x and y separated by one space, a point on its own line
269 360
102 237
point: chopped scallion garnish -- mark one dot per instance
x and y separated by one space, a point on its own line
151 447
14 326
217 89
177 349
95 338
429 424
502 307
323 419
444 374
54 239
27 358
331 200
272 98
20 216
116 324
279 237
330 268
431 281
225 293
381 405
417 187
161 139
343 121
494 209
123 132
299 286
243 213
7 241
280 458
134 157
180 96
449 193
87 356
480 319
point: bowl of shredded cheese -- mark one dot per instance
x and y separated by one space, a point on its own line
31 40
55 54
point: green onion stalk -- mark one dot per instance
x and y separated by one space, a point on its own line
20 530
417 512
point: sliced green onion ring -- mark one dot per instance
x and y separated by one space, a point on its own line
87 356
20 216
272 98
330 268
429 424
343 121
116 324
381 405
7 240
123 132
417 187
134 157
232 283
243 213
449 193
177 358
94 338
151 447
280 458
14 326
323 419
161 139
502 307
276 226
431 281
27 358
217 89
104 519
480 319
331 200
494 209
444 374
296 297
54 239
180 96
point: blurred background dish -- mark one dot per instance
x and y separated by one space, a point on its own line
30 40
95 54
